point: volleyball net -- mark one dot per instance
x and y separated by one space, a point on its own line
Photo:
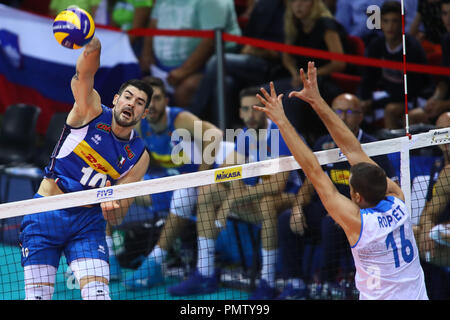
315 252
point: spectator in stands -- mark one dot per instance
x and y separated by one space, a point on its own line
382 89
159 131
255 200
336 253
309 23
180 61
56 6
131 14
291 266
250 66
439 102
429 16
433 231
354 16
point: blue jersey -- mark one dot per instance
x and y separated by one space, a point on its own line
88 156
273 146
161 146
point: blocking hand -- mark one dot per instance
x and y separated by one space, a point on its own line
273 105
310 91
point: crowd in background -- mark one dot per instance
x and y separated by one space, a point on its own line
188 65
188 68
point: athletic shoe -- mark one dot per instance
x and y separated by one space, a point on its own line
146 276
291 293
196 283
264 292
114 269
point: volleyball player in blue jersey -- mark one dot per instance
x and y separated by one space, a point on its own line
176 140
376 220
98 148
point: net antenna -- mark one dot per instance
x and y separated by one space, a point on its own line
404 71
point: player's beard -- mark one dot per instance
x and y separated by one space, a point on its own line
125 123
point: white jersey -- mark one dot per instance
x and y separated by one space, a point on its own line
386 255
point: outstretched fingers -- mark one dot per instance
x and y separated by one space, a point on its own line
312 73
272 92
263 101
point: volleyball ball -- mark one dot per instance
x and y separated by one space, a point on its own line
73 28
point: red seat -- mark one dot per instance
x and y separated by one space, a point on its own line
356 45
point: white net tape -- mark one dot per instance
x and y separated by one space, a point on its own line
267 167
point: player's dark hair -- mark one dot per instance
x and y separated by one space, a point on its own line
141 85
369 181
156 82
391 7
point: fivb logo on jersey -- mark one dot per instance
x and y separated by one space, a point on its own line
258 145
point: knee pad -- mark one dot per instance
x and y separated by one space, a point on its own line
38 292
35 276
90 267
183 202
95 290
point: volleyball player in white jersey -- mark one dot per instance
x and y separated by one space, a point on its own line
376 221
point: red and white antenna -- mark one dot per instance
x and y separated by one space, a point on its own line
404 71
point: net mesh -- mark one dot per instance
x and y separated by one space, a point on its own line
260 232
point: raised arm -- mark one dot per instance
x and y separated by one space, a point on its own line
341 209
87 101
341 134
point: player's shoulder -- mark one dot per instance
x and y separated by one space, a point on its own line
445 172
444 175
180 116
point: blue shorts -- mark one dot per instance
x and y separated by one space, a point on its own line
77 232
